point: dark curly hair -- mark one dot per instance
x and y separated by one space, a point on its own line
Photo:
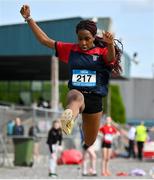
91 26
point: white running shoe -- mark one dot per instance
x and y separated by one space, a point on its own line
67 121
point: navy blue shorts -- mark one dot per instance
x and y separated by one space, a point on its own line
93 103
106 145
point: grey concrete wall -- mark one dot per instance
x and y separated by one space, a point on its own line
138 97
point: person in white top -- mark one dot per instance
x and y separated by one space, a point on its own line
131 137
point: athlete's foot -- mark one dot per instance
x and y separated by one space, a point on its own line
67 121
108 173
104 174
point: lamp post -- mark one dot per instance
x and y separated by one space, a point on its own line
55 83
134 60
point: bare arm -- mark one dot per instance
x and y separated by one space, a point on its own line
108 38
38 32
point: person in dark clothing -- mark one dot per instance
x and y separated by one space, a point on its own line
33 132
18 129
54 142
131 138
91 61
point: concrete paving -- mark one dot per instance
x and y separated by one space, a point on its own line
40 170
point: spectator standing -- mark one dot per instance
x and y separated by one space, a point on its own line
108 130
131 137
54 142
18 129
33 132
141 137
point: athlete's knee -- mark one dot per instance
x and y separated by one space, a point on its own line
90 140
89 143
75 95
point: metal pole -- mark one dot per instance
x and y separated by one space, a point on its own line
109 102
55 83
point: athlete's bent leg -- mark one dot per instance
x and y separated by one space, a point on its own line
75 106
75 101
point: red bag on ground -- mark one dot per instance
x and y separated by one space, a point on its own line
70 156
122 174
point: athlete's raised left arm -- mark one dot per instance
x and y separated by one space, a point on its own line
109 39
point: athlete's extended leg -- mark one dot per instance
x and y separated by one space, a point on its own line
75 106
91 124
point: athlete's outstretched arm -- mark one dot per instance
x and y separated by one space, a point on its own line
40 35
108 38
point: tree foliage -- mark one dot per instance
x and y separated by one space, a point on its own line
117 106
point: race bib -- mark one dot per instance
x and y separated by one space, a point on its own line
108 137
84 78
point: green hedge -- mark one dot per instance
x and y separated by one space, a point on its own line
63 90
117 106
10 92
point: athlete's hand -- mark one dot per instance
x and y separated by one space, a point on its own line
108 38
25 11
